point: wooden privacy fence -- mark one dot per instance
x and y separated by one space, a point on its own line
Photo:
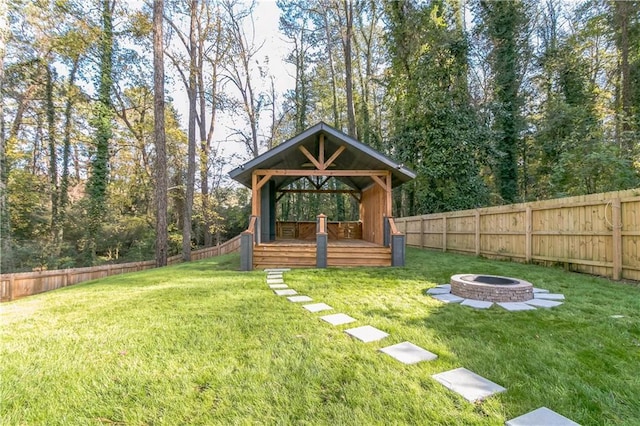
597 234
14 286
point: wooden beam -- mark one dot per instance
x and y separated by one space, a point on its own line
334 156
302 172
355 196
311 158
388 189
379 181
319 191
321 153
255 192
263 180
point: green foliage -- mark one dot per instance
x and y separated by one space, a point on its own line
103 120
505 26
435 131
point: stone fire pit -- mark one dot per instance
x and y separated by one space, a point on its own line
491 288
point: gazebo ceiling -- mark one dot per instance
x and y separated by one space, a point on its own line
354 156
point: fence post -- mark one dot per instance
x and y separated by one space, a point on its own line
477 223
11 284
616 220
444 233
421 232
246 251
528 227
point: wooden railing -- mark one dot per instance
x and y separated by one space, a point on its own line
597 234
21 284
393 227
396 240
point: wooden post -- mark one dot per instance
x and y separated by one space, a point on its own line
477 224
617 238
255 195
528 227
444 233
421 232
321 241
397 249
389 192
11 284
246 251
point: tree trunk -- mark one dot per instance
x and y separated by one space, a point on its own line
332 70
159 136
66 151
53 156
623 10
205 148
97 184
191 152
347 37
6 261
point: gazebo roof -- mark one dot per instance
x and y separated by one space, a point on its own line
354 156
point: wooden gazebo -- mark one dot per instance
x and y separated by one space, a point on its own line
322 151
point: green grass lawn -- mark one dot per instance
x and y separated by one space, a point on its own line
201 343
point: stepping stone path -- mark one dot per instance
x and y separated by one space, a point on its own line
408 353
437 290
542 303
338 319
448 298
274 286
468 384
541 299
541 416
516 306
367 333
478 304
299 299
317 307
549 296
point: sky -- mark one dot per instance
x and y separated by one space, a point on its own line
266 16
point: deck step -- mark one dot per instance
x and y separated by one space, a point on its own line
304 256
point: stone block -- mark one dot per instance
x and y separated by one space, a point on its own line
408 353
468 384
448 298
539 417
478 304
287 292
298 299
338 319
367 333
543 303
516 306
317 307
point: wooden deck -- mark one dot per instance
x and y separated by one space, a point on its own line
296 253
